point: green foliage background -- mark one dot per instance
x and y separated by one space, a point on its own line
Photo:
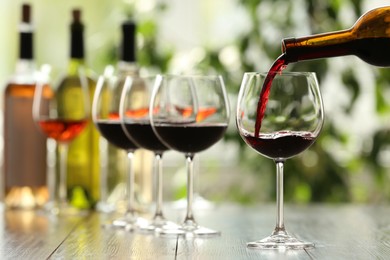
320 174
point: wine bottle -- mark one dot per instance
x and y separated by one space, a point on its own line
83 154
128 66
24 146
368 39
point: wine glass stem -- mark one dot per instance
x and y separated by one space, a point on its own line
51 176
279 196
159 187
103 170
130 183
190 189
62 190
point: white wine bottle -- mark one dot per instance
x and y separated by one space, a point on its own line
24 146
83 155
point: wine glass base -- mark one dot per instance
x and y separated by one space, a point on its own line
105 207
190 231
198 203
159 226
280 241
64 209
129 223
201 232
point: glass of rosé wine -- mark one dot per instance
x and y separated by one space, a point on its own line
61 119
279 115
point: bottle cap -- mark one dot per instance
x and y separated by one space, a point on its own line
26 34
76 38
76 14
128 45
26 13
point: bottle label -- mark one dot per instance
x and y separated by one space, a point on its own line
24 145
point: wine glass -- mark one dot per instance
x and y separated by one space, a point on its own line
61 119
134 114
291 122
189 114
105 115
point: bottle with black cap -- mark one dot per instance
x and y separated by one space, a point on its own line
24 146
127 66
83 154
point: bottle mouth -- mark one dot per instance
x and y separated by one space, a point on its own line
287 49
287 42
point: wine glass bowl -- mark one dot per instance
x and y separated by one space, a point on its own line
62 119
134 115
189 114
291 121
105 115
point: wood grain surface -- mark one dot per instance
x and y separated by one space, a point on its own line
339 232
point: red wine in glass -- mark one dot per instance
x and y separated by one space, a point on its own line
202 114
62 130
143 135
283 144
134 110
276 68
112 131
289 127
191 138
191 114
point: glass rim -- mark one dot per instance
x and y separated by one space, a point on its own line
190 75
283 73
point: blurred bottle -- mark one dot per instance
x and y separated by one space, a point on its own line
24 145
368 39
127 66
83 157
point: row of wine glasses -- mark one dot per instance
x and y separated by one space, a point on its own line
189 114
153 113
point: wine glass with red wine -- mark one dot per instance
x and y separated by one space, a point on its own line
105 115
190 114
134 114
279 120
61 119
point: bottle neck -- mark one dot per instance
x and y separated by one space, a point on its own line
324 45
25 65
76 40
25 68
25 72
127 51
26 46
76 48
127 68
26 33
74 66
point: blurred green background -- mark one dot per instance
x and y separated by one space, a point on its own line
350 162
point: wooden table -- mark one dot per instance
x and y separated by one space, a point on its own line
339 232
